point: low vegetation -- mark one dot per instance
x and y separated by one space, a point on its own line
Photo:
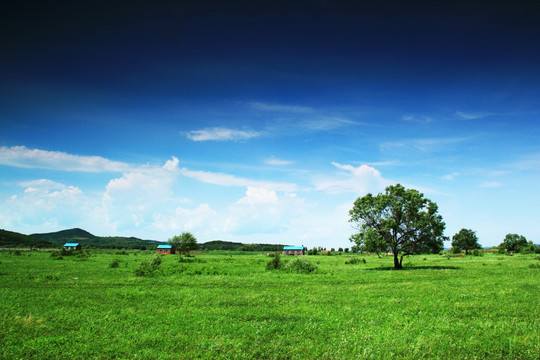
230 307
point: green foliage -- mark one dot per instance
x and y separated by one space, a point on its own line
514 243
114 264
312 251
301 265
401 220
148 267
353 260
465 239
184 243
13 239
275 263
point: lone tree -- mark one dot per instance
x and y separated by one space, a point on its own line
184 243
400 220
465 239
513 243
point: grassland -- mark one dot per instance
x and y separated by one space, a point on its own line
230 307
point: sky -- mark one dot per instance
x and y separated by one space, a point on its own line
263 121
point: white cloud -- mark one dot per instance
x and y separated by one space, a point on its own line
278 162
360 180
181 219
472 116
424 145
417 119
326 123
262 211
280 108
221 134
491 184
230 180
451 176
23 157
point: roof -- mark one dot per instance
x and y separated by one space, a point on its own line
164 247
71 244
293 248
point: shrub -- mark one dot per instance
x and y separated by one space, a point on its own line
354 260
114 264
147 267
275 263
477 252
301 265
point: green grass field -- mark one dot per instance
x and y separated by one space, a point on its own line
230 307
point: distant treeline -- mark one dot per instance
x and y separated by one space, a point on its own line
236 246
10 239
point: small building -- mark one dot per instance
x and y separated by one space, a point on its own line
165 249
294 250
72 246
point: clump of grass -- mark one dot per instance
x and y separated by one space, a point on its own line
534 266
275 263
148 267
355 260
301 265
114 264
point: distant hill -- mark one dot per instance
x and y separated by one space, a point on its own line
87 239
236 246
12 239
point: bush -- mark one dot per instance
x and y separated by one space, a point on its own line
477 252
275 263
353 260
147 267
301 265
114 264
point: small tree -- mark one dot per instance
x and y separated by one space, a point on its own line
465 239
184 243
513 243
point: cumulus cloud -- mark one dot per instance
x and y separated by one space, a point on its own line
23 157
182 219
221 134
360 180
262 211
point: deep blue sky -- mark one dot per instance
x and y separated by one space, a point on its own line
280 114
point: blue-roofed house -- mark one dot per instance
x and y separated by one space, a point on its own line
294 250
72 246
165 249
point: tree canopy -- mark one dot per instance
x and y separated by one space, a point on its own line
465 239
513 243
184 243
400 220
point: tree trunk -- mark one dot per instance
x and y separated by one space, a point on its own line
397 263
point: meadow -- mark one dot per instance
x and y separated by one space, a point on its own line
228 306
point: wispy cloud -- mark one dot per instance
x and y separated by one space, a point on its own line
425 145
281 108
326 123
221 134
418 119
491 184
278 162
451 176
472 115
231 180
23 157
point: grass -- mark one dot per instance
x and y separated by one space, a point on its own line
229 306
